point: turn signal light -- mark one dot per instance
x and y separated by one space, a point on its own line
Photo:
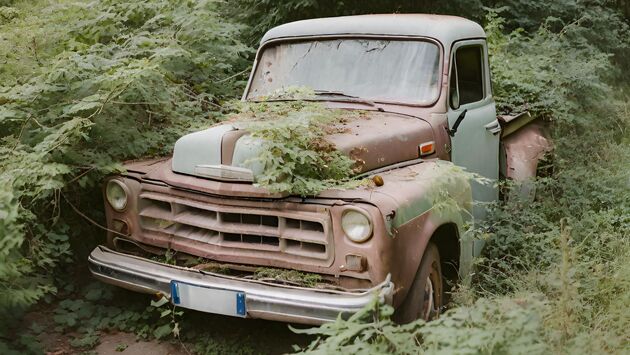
355 262
120 226
426 148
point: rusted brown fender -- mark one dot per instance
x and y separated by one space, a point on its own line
524 141
414 202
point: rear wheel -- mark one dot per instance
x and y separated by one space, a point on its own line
426 295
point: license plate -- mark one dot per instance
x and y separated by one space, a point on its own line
206 299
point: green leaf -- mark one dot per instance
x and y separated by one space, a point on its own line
159 303
88 103
165 313
162 331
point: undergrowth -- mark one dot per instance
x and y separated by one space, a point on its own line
498 326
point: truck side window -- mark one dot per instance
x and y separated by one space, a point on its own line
469 74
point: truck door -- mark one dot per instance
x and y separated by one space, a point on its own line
475 145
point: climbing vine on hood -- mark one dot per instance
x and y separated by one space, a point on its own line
295 156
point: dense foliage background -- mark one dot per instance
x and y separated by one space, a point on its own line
86 84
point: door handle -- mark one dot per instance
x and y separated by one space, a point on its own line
493 127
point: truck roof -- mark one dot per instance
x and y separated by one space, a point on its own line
445 29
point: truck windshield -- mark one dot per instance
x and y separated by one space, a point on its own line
374 69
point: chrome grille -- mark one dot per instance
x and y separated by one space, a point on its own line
304 234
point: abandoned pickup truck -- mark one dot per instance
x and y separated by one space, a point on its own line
422 85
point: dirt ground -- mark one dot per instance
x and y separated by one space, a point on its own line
113 344
213 334
270 339
124 343
226 335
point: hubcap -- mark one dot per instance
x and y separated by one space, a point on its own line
429 308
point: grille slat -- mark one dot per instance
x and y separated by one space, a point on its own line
213 224
285 233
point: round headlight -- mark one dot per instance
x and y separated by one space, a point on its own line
116 193
356 225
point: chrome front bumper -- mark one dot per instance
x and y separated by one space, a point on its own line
262 300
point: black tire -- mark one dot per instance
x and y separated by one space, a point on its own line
425 298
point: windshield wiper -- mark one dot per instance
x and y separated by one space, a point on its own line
352 98
333 93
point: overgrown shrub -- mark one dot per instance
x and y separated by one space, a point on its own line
500 326
84 86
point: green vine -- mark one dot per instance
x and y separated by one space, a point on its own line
295 154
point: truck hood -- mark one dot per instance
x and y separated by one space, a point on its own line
372 139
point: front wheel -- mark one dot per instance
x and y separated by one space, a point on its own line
425 298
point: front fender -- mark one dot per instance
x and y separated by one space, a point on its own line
416 201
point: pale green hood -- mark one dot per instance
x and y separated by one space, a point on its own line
200 154
203 147
373 140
